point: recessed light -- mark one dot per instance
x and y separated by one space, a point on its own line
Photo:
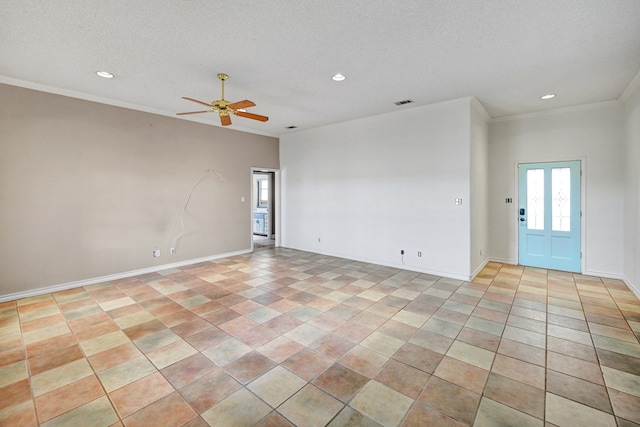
548 96
338 77
105 74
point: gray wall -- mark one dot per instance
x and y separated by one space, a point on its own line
89 190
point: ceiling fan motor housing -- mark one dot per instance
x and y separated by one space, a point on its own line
224 107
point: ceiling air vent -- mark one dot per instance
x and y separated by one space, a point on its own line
406 101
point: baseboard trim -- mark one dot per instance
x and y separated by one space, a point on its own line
117 276
503 261
631 287
479 269
386 264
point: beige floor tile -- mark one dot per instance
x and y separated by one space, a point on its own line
117 303
352 333
21 414
519 370
462 374
125 373
350 417
382 343
140 393
472 355
227 351
44 333
96 413
567 413
569 334
60 376
305 334
134 319
310 407
574 367
156 340
450 399
276 386
484 325
240 409
381 404
410 318
526 337
625 406
104 342
494 414
442 327
13 373
621 381
618 346
364 361
170 354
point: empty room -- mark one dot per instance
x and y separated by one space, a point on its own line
282 213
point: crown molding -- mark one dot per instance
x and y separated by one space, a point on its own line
633 85
475 103
115 103
563 110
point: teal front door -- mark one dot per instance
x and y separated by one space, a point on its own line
549 215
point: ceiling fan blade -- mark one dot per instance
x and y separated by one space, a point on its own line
241 104
251 116
194 112
195 100
225 119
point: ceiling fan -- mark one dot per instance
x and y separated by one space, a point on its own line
224 108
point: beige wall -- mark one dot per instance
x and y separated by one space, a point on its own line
89 190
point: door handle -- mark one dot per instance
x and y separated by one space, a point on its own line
522 219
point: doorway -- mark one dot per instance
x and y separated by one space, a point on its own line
549 215
263 209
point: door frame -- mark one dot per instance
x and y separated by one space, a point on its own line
583 203
275 203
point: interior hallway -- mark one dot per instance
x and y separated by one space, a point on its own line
281 337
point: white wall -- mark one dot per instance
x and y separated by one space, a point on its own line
632 189
593 134
479 187
371 187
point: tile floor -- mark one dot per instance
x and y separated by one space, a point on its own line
281 337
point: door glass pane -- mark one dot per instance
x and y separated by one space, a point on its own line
535 199
263 193
561 199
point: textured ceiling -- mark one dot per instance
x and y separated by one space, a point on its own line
282 53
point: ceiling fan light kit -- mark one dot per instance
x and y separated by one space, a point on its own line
225 108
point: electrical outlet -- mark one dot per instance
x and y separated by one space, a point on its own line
401 251
419 254
318 240
480 251
156 253
172 251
